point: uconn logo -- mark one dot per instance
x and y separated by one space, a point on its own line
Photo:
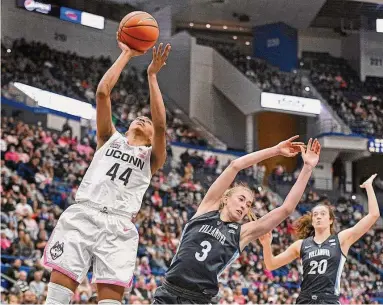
115 153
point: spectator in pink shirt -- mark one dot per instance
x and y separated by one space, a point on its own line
4 242
156 199
144 267
12 155
239 298
23 157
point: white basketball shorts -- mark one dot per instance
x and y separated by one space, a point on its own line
89 234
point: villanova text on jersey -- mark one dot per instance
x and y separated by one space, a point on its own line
319 252
213 232
322 266
208 245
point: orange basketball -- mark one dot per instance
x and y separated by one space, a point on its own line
139 31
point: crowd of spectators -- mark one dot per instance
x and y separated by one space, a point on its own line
40 174
265 76
41 171
359 104
68 74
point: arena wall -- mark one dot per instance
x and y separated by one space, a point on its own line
207 103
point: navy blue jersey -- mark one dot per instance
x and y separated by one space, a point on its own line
322 266
208 245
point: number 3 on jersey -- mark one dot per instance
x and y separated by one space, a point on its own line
124 176
206 247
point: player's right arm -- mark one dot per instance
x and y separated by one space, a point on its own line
274 262
253 230
211 200
105 127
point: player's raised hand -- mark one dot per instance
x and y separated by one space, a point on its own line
368 182
128 50
289 148
266 239
159 58
311 154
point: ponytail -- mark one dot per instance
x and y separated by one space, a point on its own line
251 215
303 226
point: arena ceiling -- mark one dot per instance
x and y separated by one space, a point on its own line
348 13
246 13
297 13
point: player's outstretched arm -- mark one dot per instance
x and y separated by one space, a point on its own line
210 202
274 262
351 235
252 230
157 108
105 128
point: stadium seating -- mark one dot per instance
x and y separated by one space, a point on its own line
35 64
358 103
265 76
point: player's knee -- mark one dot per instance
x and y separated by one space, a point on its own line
109 302
58 294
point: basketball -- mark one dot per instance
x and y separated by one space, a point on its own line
139 31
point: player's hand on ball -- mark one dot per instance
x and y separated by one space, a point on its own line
159 58
289 148
128 50
266 239
368 182
311 154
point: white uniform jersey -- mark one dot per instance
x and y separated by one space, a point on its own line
118 176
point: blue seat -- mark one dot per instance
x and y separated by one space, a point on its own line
25 268
5 284
4 268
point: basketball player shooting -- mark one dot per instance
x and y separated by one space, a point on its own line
322 251
98 228
215 235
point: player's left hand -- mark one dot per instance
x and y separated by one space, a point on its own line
288 148
310 156
368 182
159 58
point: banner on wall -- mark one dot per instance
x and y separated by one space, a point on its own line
375 146
39 7
299 105
371 57
63 13
277 44
70 15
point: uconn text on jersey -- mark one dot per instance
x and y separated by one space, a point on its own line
115 153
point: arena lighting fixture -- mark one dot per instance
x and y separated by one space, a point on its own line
58 102
225 27
208 26
379 25
235 37
247 43
191 24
